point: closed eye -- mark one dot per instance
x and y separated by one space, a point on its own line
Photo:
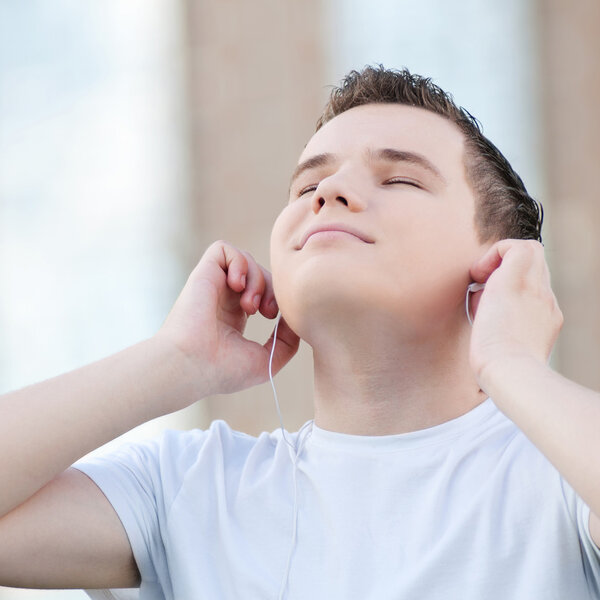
308 188
395 180
402 180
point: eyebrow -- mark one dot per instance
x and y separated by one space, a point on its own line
383 154
393 155
318 160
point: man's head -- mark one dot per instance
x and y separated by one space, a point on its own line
504 209
392 173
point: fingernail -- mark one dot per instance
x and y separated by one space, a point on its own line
273 303
256 301
244 280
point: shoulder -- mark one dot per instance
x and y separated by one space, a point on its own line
175 452
204 468
214 452
515 452
212 459
498 453
528 477
219 439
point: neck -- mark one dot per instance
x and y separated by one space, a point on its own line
372 383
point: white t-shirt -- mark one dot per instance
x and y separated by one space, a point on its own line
468 509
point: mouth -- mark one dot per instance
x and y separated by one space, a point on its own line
332 230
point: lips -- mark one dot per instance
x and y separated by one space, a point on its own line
335 227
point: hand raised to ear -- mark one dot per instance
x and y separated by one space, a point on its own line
208 320
517 314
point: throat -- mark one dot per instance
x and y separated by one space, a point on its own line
391 391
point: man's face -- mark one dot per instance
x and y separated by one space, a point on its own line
394 176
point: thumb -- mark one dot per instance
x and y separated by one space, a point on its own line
286 344
489 262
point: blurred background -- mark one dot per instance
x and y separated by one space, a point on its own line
133 134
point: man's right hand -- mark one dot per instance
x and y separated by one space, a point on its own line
49 513
208 320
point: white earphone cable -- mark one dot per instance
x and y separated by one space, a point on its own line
273 386
295 453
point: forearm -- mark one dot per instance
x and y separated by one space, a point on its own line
200 350
46 427
559 416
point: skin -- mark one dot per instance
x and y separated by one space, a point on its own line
386 320
393 349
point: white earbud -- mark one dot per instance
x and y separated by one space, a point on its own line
471 288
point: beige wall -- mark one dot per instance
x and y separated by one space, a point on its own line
256 90
570 79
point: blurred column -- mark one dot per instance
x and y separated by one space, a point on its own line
570 47
256 90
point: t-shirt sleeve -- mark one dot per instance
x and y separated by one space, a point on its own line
590 553
120 594
140 480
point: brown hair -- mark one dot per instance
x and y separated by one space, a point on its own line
505 209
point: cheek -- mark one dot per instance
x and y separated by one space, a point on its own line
288 294
286 223
279 234
429 233
281 254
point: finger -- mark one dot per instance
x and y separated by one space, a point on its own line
255 285
285 347
244 275
268 305
523 254
230 261
528 258
489 262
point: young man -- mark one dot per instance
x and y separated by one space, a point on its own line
445 460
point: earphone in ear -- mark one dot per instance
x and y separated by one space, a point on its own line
471 288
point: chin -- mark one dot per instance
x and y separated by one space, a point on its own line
320 297
325 300
318 305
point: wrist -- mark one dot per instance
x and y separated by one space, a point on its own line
187 380
503 378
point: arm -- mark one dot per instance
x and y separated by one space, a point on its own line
66 536
199 351
516 325
560 417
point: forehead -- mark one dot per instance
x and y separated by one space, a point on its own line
396 126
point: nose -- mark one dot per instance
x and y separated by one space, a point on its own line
337 189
